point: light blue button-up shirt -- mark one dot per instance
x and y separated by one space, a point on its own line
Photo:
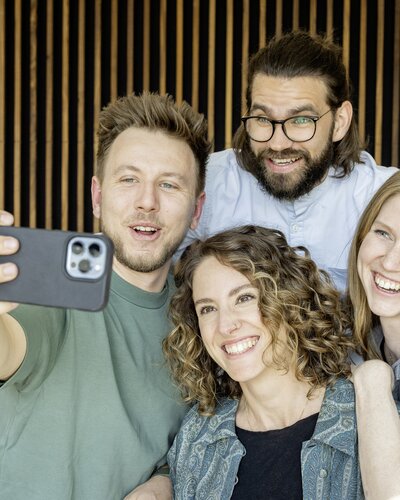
323 220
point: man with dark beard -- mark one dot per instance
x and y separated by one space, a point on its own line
87 407
296 163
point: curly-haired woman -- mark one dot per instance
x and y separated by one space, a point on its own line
260 347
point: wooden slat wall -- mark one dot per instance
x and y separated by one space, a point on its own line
80 54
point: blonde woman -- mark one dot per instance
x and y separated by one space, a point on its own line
260 347
374 291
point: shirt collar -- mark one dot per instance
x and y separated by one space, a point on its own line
336 424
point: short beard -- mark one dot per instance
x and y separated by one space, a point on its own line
286 186
141 264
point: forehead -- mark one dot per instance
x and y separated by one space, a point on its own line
151 151
281 95
390 210
213 278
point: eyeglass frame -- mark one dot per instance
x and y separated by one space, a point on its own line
244 119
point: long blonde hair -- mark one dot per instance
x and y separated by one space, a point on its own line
364 319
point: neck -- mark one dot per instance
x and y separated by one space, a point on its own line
391 332
280 400
150 282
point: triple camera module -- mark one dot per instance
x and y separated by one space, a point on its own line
86 257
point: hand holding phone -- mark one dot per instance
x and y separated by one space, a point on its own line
58 268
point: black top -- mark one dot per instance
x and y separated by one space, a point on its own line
271 468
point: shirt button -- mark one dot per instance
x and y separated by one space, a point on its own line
323 473
295 228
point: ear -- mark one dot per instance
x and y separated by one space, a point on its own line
343 118
198 209
96 197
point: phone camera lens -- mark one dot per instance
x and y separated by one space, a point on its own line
77 248
84 266
94 250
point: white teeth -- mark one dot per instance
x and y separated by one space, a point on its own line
240 347
280 161
145 228
386 284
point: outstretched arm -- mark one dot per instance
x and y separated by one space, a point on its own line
378 426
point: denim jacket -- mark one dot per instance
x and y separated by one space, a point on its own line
206 453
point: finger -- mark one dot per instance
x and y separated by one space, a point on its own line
6 307
8 245
8 272
6 219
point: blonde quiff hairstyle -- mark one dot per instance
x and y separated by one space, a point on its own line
293 295
364 319
156 113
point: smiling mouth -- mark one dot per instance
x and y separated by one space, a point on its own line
145 230
284 161
241 346
385 284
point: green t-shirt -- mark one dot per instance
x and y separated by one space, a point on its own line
92 412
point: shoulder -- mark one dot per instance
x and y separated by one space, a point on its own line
203 429
368 172
222 164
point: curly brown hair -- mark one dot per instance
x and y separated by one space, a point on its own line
293 294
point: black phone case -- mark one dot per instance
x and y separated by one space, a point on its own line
43 279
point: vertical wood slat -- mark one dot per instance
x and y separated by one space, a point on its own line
211 70
97 87
229 73
396 87
114 51
33 114
379 80
2 102
195 54
65 117
262 24
362 70
163 47
346 34
129 45
179 52
313 17
49 115
329 19
17 113
245 53
146 45
80 180
296 11
278 17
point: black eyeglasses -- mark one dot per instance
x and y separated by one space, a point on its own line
296 128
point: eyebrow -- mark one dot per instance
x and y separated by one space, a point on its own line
232 293
290 112
133 168
381 223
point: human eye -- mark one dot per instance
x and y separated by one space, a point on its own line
128 179
168 185
382 233
245 297
205 310
262 120
301 121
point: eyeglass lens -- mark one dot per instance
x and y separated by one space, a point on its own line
297 129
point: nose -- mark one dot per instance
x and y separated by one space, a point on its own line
146 199
391 260
228 324
279 141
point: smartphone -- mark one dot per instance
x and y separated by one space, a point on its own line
59 268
